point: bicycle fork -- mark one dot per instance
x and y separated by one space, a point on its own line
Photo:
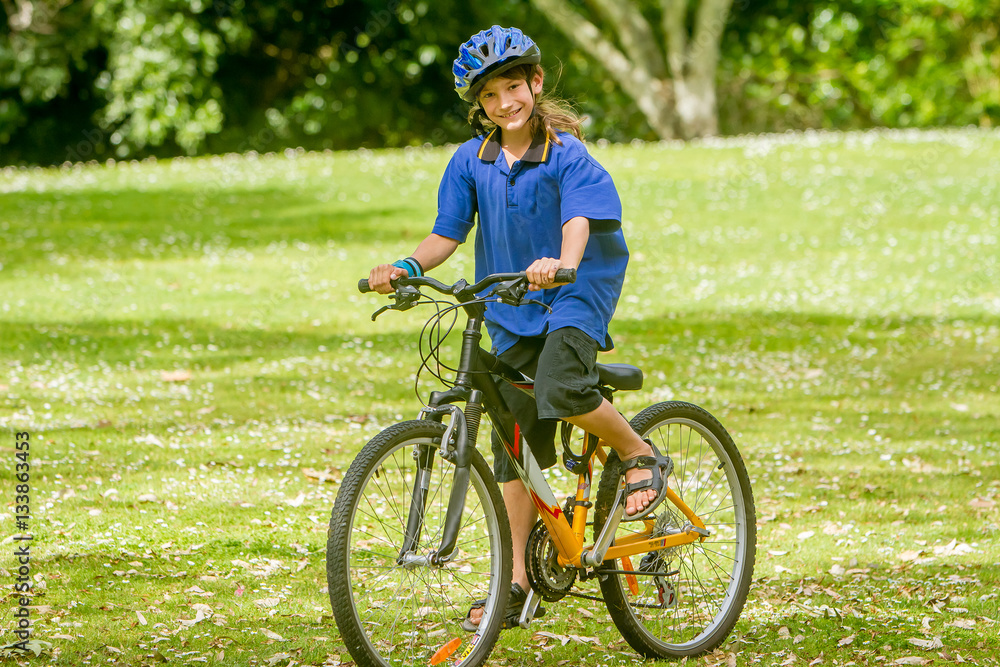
462 429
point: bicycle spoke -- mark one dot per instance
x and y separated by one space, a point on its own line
690 611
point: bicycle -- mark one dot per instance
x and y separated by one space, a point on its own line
419 529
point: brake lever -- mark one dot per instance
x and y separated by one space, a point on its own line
511 292
406 297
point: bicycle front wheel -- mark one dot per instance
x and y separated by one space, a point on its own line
684 601
392 605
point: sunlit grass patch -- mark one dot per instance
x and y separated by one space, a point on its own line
185 343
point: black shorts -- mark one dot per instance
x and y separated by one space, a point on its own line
564 367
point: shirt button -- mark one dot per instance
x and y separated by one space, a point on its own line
512 181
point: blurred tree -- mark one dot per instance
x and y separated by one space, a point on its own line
93 79
789 64
44 45
670 73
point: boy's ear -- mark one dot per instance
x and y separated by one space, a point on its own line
537 80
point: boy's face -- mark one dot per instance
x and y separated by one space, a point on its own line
509 102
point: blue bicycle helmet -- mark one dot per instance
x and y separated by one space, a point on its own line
488 54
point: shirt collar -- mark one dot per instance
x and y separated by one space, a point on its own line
538 151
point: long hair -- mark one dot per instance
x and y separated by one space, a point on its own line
550 113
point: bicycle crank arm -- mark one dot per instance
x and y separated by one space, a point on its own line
595 556
529 609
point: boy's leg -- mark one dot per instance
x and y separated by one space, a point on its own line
566 388
607 424
523 515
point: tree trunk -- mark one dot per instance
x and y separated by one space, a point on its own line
653 95
697 110
673 87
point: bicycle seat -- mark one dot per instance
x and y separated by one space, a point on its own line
620 376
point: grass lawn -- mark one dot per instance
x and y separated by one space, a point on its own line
184 343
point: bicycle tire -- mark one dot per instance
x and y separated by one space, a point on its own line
708 581
389 614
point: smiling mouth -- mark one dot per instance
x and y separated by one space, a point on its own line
513 113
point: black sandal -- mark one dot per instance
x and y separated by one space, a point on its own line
515 603
661 467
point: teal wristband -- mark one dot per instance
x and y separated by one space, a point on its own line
411 266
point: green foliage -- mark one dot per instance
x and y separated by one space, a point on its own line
862 63
159 84
128 78
40 50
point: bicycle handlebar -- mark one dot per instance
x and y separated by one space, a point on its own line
562 276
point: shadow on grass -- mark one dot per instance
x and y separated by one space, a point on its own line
177 343
127 224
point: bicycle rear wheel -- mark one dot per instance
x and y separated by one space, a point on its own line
395 611
694 594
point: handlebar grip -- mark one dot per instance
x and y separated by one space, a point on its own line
566 276
363 286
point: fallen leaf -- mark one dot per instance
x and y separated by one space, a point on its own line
142 619
267 603
328 475
926 644
148 439
846 641
911 660
198 618
953 548
273 635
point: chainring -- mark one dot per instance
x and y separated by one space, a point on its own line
549 579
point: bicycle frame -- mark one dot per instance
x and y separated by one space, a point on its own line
476 387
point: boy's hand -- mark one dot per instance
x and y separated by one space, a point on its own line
542 273
379 277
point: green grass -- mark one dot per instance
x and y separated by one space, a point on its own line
831 298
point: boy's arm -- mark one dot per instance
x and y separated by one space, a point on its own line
434 250
431 252
575 234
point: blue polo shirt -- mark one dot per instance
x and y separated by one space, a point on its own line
521 211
